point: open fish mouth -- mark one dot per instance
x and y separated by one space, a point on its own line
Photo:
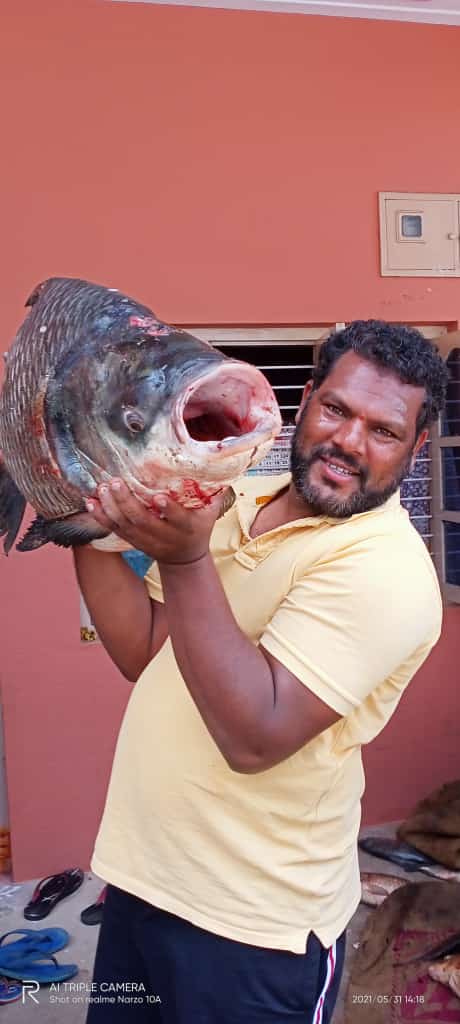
229 410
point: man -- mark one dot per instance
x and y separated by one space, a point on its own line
229 834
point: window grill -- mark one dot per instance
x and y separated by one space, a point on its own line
446 479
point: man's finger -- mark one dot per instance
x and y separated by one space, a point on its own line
110 504
93 506
132 509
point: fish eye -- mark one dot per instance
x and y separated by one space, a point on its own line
133 420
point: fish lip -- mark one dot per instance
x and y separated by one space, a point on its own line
233 444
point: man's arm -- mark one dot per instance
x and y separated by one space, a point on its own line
257 711
130 625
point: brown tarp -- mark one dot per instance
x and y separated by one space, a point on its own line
389 982
434 827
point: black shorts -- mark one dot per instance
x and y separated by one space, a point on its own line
152 966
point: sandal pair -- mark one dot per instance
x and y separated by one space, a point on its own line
50 890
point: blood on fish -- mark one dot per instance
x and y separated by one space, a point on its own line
48 469
189 492
143 321
36 423
154 328
37 427
193 490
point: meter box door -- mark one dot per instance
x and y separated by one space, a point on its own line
419 234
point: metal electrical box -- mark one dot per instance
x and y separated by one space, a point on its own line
419 234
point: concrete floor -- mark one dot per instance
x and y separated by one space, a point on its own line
64 1005
67 1004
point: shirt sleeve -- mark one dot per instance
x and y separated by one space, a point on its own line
153 583
350 623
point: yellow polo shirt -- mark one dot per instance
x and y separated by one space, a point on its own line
352 608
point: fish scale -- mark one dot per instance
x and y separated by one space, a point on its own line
23 385
23 381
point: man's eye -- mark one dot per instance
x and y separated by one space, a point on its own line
334 409
384 433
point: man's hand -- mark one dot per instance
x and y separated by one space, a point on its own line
170 534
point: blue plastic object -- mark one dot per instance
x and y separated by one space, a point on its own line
32 967
40 941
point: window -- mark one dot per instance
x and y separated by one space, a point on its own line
446 478
286 356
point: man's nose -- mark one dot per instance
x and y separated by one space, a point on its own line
350 436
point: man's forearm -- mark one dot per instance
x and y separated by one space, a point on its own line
228 677
120 608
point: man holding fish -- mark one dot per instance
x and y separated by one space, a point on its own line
268 645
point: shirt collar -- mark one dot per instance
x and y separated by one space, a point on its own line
249 505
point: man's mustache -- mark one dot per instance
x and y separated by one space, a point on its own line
331 452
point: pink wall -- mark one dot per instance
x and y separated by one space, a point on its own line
419 749
224 168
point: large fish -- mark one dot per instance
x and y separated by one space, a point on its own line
96 387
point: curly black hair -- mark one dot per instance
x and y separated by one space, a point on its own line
399 349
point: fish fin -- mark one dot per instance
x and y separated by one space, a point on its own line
12 508
70 532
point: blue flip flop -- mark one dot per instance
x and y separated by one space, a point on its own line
39 940
31 967
9 993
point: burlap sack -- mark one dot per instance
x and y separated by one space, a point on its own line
434 827
384 987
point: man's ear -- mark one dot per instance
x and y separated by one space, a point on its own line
305 396
418 445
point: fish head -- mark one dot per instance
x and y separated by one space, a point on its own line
176 415
137 398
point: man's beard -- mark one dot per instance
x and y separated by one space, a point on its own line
364 498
